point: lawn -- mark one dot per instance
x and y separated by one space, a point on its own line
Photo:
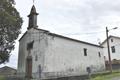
2 78
105 75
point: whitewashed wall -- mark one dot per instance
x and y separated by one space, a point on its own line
66 57
39 46
58 56
116 43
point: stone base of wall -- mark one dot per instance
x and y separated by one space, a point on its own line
83 77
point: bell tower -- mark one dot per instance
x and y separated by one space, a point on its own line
32 18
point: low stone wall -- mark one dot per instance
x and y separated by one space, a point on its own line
114 66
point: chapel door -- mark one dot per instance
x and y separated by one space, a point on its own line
29 67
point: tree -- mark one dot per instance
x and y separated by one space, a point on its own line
10 25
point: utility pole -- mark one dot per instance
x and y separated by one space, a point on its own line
109 56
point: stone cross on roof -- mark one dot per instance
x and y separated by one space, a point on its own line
33 1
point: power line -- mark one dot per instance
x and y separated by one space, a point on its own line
69 33
88 33
83 33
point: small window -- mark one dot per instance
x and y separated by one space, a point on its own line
30 45
99 54
113 49
85 52
111 40
36 58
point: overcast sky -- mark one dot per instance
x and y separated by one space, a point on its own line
80 19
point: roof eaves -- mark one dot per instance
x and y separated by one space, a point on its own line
75 40
23 35
109 38
53 34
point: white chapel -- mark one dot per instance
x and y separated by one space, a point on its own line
46 55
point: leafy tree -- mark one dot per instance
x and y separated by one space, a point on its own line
10 25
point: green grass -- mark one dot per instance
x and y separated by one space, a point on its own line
105 75
2 78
